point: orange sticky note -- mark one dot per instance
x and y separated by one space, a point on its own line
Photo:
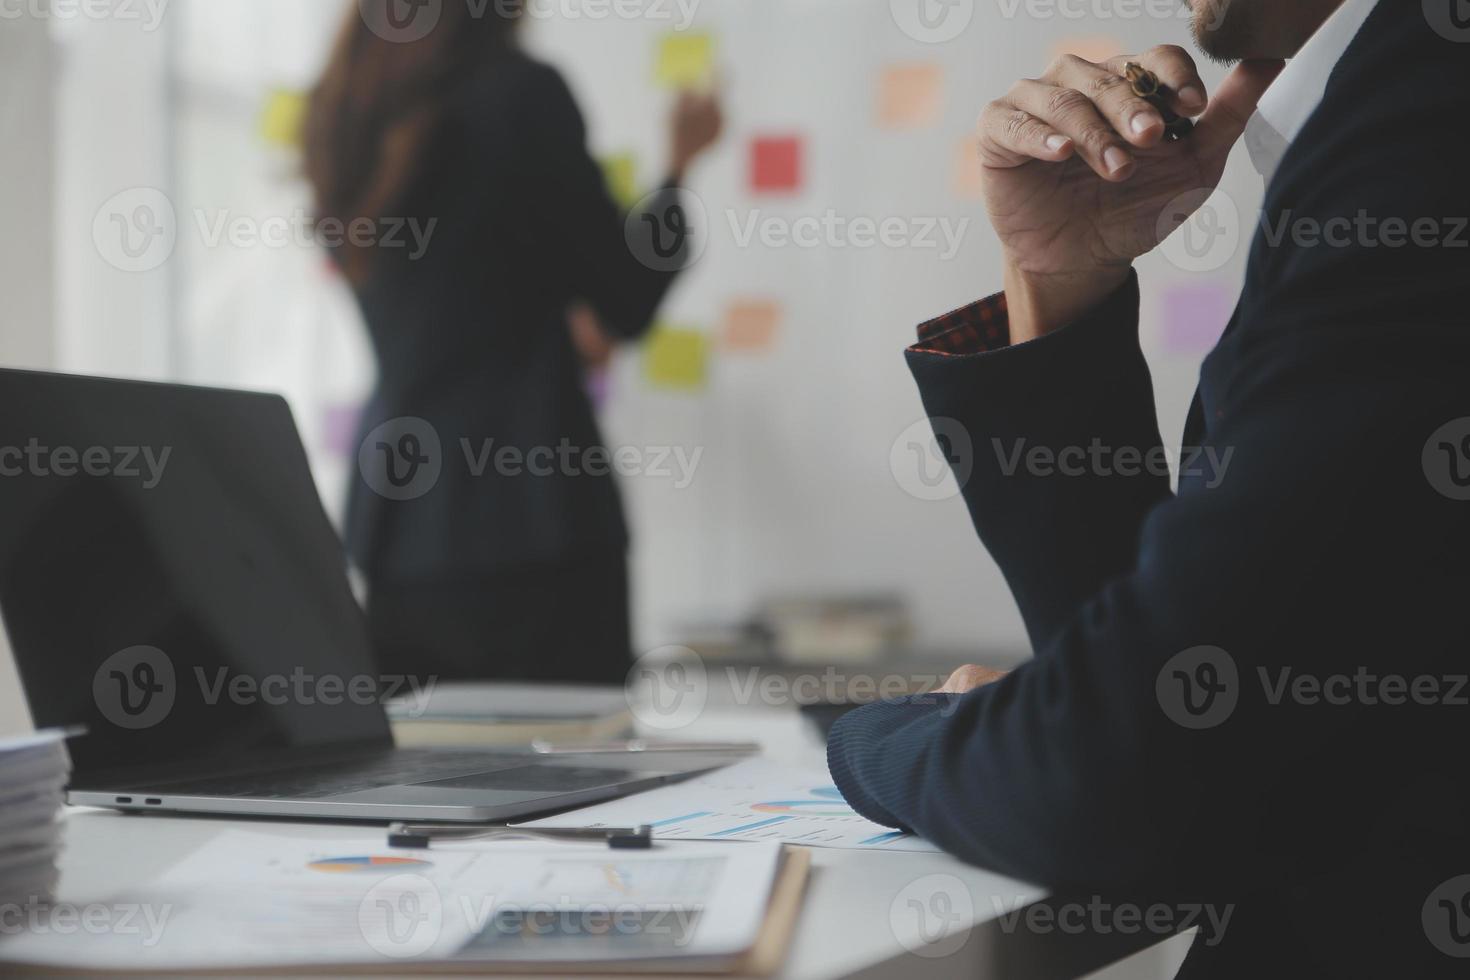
968 178
910 96
1097 49
750 325
676 358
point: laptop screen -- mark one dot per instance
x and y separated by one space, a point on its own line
169 579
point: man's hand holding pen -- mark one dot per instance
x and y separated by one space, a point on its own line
1079 169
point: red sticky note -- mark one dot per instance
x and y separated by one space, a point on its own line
775 163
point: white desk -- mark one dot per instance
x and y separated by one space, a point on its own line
856 920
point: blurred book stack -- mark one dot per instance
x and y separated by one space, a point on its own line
507 714
33 774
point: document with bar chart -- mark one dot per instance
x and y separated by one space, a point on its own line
752 800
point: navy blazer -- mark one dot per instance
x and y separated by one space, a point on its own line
1150 748
472 336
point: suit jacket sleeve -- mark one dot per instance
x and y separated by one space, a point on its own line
569 198
1063 450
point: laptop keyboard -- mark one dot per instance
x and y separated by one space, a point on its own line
351 776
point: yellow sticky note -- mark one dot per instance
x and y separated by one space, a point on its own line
1096 49
677 358
621 171
910 96
283 118
751 325
686 60
967 181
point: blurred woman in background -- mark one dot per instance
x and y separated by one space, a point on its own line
479 567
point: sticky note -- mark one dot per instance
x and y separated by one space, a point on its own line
776 163
676 358
1194 316
283 118
968 179
910 96
598 384
339 428
621 171
750 325
1097 49
685 61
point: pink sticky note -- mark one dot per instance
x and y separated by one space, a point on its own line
1194 317
598 383
339 429
776 163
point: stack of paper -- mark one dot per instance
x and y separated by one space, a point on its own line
33 771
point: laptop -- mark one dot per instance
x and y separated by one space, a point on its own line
170 581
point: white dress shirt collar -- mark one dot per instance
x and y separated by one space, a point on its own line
1298 90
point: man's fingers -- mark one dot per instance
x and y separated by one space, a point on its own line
1233 105
1176 71
1010 136
1072 114
1133 118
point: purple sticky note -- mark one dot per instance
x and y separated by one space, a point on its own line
599 387
1194 317
339 429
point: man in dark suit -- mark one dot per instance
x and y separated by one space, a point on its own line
1249 693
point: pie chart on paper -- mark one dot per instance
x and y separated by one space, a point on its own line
369 864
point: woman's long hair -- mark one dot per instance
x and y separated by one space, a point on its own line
380 101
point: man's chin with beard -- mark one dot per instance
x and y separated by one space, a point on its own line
1239 30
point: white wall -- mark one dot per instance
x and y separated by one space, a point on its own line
796 493
25 247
